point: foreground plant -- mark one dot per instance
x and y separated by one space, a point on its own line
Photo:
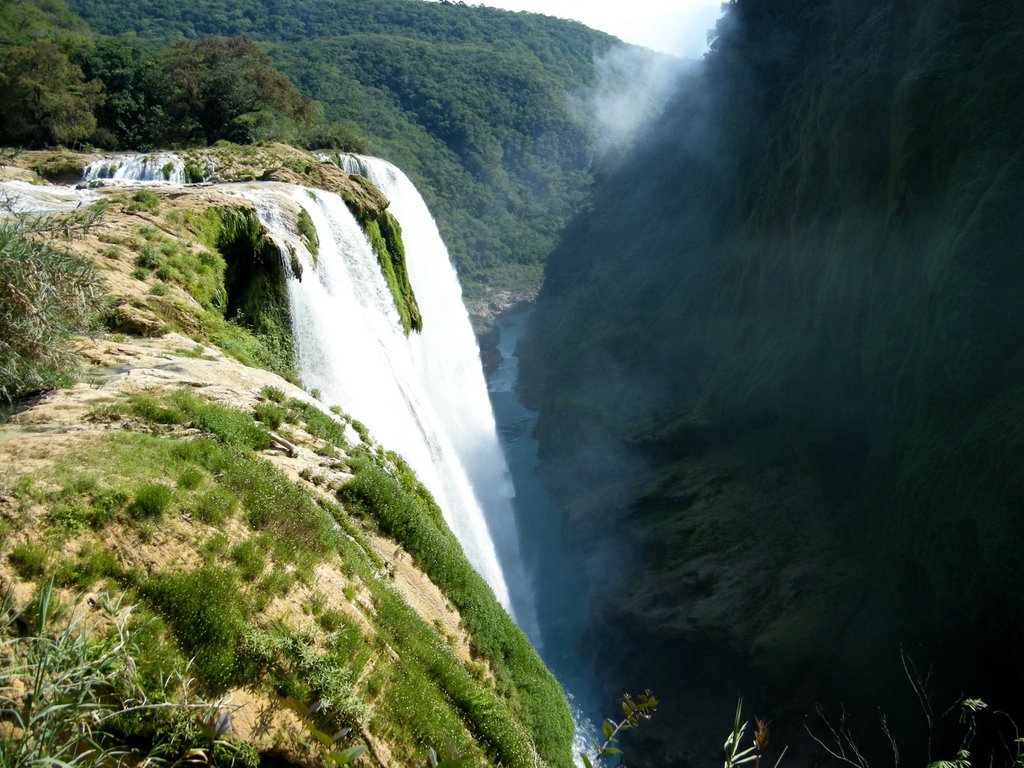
735 753
46 296
66 685
634 710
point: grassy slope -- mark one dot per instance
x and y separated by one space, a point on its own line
801 293
173 475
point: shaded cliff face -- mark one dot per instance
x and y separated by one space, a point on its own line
777 365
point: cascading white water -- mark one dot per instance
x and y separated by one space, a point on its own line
159 167
24 197
350 345
448 360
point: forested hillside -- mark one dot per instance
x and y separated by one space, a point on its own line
483 108
779 366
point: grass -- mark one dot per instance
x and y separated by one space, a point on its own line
206 610
213 612
47 295
145 200
404 510
29 560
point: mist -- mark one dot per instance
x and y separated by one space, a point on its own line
630 90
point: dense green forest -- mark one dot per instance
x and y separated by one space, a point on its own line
483 108
778 363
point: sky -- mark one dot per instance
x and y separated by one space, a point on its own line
678 27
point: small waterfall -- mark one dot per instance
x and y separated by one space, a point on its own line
159 167
350 345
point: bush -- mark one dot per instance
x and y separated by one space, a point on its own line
46 296
270 414
273 394
150 501
148 258
70 673
144 200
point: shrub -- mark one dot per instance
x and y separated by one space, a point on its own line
190 478
273 394
150 501
71 673
144 200
46 296
148 257
270 414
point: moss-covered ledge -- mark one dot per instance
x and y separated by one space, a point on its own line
385 235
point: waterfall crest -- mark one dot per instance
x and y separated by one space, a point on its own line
158 167
423 395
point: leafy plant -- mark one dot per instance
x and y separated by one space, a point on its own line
330 753
46 296
735 753
634 710
67 687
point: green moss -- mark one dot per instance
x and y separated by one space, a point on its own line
385 235
309 236
254 294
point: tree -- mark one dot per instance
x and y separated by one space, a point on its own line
132 115
45 98
229 89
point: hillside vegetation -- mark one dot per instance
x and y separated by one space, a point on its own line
790 326
483 108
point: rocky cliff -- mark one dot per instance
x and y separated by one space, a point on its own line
779 383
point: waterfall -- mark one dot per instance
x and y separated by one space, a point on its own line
423 395
158 167
448 360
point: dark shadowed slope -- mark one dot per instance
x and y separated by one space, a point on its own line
779 367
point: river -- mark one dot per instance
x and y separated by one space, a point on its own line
560 592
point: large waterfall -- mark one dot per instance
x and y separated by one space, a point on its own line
424 395
448 361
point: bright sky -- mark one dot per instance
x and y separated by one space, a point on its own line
672 26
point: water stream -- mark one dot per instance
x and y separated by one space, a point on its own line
560 592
